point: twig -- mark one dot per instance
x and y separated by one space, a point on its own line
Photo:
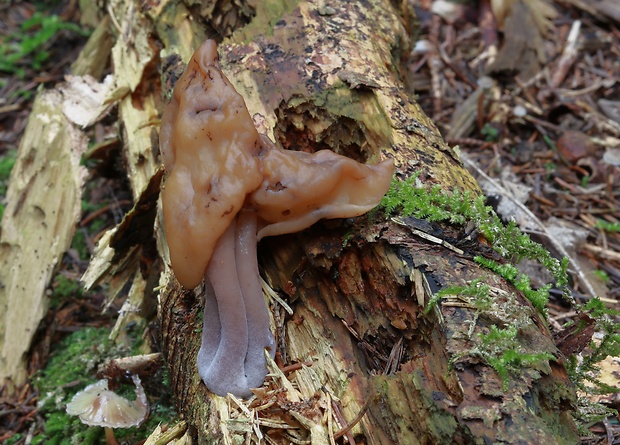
569 55
435 66
394 359
354 422
338 413
609 431
296 366
605 253
273 294
95 214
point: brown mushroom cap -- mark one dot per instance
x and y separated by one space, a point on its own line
210 148
298 188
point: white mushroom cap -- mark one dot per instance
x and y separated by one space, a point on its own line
98 406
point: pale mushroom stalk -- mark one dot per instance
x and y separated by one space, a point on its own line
227 187
110 438
236 323
260 336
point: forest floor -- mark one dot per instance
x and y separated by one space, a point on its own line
531 98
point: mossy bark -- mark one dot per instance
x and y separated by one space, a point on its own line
362 348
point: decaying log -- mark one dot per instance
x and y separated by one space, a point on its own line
318 75
44 206
358 356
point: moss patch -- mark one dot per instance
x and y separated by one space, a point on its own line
499 348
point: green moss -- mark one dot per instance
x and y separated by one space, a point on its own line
607 226
28 45
602 275
6 165
490 132
74 360
499 347
64 288
161 412
589 413
79 244
410 198
476 290
538 297
62 429
586 369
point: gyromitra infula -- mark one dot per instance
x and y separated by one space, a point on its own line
227 187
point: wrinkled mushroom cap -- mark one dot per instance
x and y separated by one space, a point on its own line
210 149
99 406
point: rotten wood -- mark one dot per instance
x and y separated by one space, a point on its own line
44 206
359 314
329 75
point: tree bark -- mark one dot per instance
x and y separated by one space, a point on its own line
358 349
37 227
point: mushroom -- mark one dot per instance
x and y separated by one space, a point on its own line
298 188
227 187
210 148
96 405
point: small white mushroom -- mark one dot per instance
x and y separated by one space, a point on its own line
96 405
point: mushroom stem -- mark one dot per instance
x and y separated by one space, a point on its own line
236 321
257 313
109 436
220 363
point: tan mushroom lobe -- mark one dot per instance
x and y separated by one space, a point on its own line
209 147
298 189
